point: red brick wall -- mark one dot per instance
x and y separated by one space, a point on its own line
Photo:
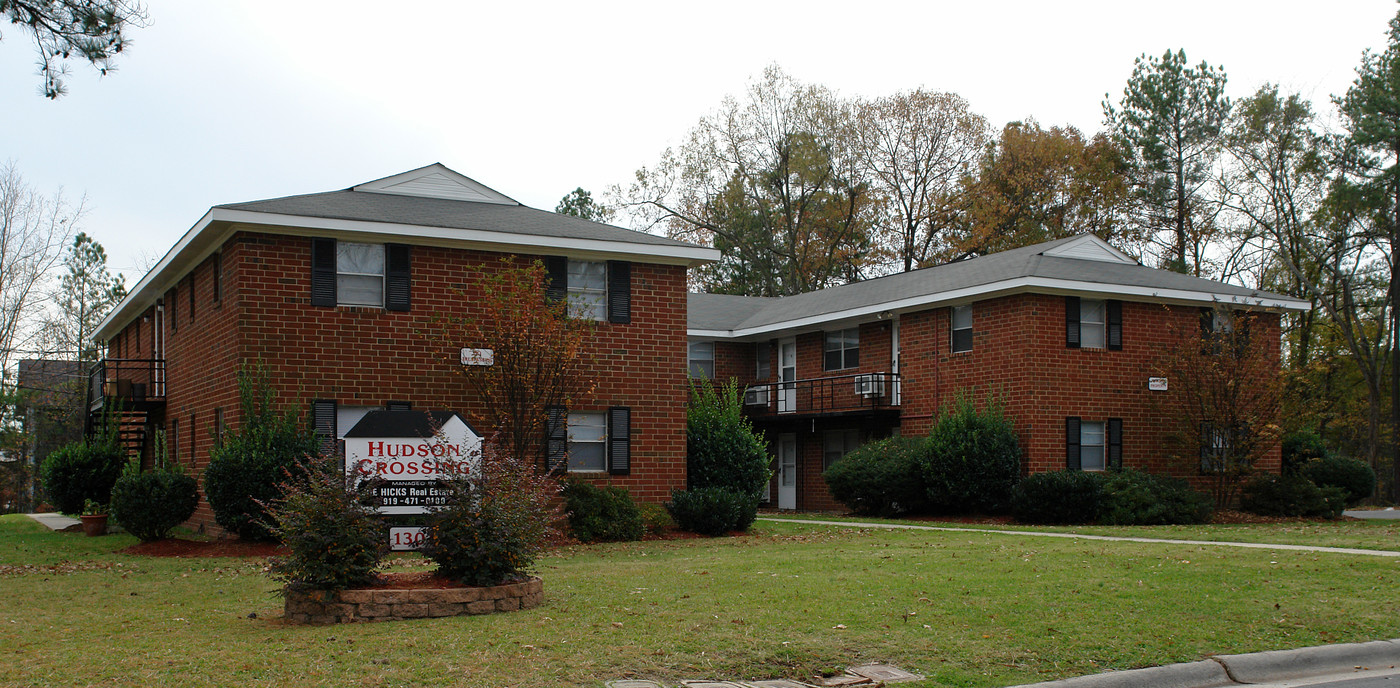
369 356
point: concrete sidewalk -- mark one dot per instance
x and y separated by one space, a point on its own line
1309 666
1076 536
55 521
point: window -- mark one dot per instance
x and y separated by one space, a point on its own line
1093 324
192 442
842 349
192 295
174 306
702 360
1218 445
588 437
219 427
588 289
763 364
1223 330
838 443
962 328
359 274
1093 445
218 277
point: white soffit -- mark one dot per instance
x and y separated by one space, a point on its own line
1090 247
436 181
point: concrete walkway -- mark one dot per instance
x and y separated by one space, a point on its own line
1388 513
1076 536
55 521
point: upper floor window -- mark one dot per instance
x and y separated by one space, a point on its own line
962 328
595 289
1093 323
763 366
702 359
588 289
842 349
359 274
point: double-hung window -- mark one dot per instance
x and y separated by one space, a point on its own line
838 443
346 273
1093 323
962 328
601 290
702 360
359 274
588 441
1093 445
588 289
842 349
588 437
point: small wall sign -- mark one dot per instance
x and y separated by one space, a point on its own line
478 357
1157 384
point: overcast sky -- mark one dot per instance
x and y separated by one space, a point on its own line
221 101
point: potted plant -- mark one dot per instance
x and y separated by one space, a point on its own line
94 518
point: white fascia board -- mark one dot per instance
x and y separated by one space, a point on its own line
155 282
475 238
1038 285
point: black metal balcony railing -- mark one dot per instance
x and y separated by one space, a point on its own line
835 394
131 380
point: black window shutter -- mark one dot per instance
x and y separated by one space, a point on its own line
619 291
192 295
620 440
174 300
218 276
557 272
398 406
323 272
1115 325
1115 443
1072 443
323 422
398 276
1072 322
556 439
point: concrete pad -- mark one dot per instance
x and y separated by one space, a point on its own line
1263 667
884 672
632 683
702 683
55 521
1203 674
777 683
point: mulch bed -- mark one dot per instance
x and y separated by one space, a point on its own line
175 547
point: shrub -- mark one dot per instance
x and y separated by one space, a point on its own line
1300 447
713 511
1291 495
494 525
880 478
336 536
721 447
1134 498
601 514
1058 497
1355 477
248 467
78 472
150 504
655 517
973 459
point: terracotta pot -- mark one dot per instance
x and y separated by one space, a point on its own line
94 524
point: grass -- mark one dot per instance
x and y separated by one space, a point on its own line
965 609
1378 534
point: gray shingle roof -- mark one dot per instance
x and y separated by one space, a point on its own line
368 206
982 275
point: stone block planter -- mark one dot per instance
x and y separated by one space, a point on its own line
320 607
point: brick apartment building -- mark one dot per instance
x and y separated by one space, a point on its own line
335 291
1065 332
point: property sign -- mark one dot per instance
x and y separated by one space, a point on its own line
405 538
1157 384
478 357
407 454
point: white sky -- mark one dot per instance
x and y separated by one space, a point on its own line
220 102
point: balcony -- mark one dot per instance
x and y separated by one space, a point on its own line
836 395
135 383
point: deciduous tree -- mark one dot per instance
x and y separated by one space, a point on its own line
34 228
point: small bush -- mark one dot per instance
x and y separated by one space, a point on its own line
494 525
336 536
881 478
1291 495
78 472
973 459
1355 477
1134 498
1300 447
713 511
602 514
246 470
655 518
722 449
149 504
1059 497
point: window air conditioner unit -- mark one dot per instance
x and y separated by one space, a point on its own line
870 385
756 396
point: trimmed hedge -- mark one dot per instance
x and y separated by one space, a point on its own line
150 504
1060 497
1134 498
77 472
602 514
1353 476
881 478
713 511
973 459
1292 495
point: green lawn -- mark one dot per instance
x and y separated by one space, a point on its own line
966 609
